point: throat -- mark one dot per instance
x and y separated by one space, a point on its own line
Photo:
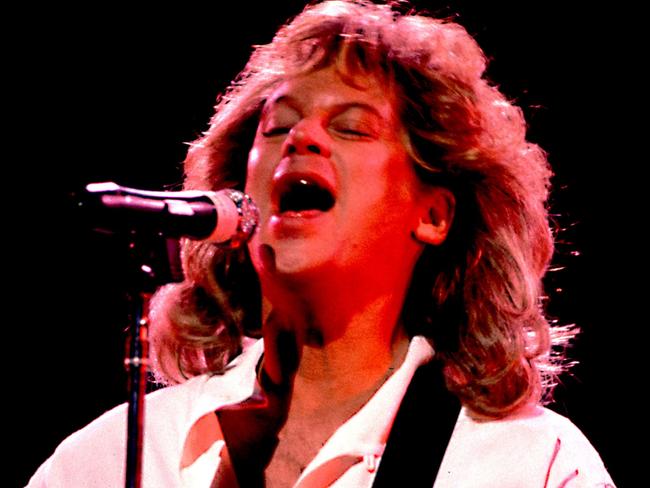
315 414
337 386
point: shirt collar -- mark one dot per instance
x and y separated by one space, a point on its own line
361 439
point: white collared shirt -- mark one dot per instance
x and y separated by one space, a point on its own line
183 444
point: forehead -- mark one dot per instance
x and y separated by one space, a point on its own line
326 88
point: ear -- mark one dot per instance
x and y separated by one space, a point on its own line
439 214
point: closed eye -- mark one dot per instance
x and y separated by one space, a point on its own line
276 131
349 132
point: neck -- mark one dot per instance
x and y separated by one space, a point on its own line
345 374
348 343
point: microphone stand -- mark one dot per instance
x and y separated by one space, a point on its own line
153 261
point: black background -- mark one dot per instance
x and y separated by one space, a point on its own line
114 93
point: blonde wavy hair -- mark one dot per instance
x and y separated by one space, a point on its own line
478 296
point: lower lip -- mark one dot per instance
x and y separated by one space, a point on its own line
301 214
296 220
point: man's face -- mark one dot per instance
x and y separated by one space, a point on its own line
335 187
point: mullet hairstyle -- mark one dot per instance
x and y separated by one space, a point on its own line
478 296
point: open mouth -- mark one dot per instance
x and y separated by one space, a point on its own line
301 195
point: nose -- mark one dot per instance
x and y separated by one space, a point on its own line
307 137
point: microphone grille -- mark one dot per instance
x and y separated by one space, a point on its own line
248 218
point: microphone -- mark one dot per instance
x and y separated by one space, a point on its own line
227 217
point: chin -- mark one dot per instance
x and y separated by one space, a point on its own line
295 260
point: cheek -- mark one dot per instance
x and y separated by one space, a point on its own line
396 191
254 172
390 175
404 181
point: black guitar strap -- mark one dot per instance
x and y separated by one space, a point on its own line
420 433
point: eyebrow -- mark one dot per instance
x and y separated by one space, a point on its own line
293 103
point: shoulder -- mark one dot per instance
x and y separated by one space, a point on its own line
95 454
536 445
574 458
534 423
